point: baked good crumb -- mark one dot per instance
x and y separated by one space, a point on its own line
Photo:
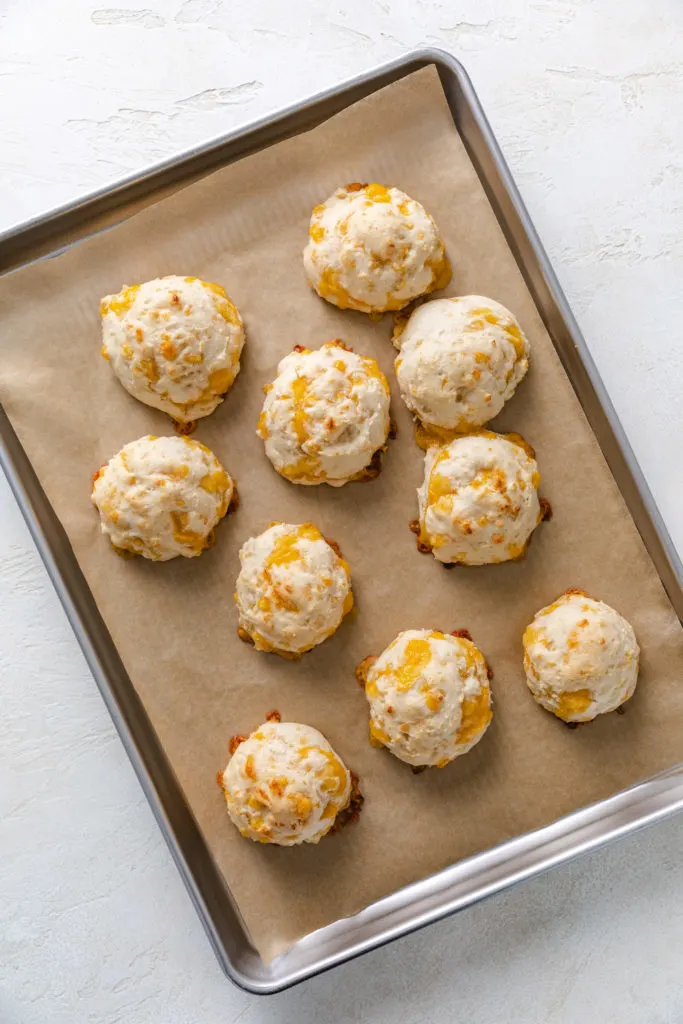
325 418
479 502
174 343
374 249
293 589
284 784
429 696
161 497
460 359
581 658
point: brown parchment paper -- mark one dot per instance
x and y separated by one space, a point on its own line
174 623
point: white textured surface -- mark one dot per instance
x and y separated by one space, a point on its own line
587 101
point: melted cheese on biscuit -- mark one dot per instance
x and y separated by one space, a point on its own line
429 697
174 343
160 497
285 785
374 249
325 415
580 657
460 360
479 500
293 589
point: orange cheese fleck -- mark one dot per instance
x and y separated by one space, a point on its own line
286 550
121 303
416 657
476 715
215 482
573 703
378 737
223 304
378 193
299 397
220 380
168 349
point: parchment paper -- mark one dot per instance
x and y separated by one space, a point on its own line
174 623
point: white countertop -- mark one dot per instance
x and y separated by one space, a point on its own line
587 101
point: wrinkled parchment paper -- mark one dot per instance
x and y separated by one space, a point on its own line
174 623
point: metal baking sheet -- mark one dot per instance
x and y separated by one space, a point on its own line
478 876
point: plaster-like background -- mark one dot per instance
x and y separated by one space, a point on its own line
587 100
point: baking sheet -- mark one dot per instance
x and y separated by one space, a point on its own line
174 624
